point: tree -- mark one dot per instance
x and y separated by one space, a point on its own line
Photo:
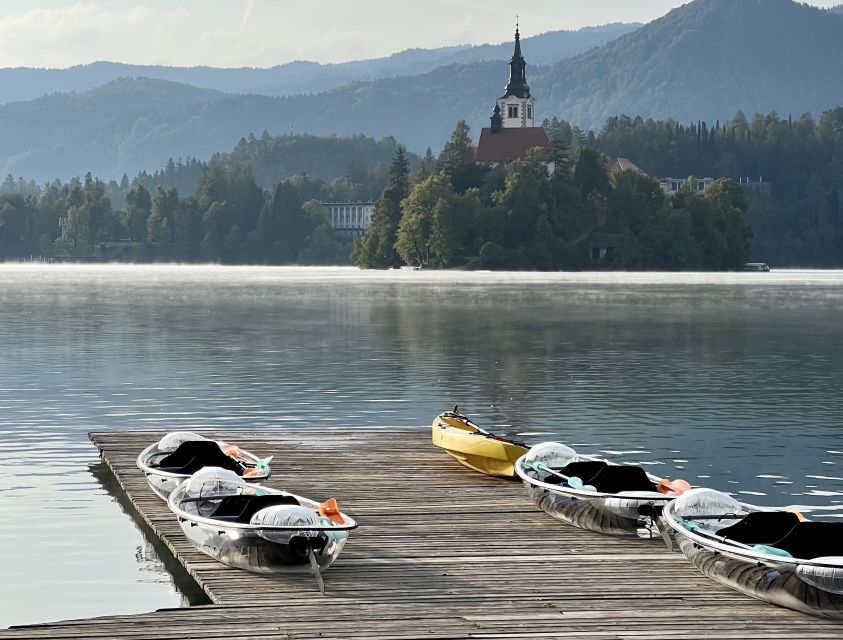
528 194
16 215
459 150
376 249
436 222
87 216
283 226
728 197
138 208
590 173
161 220
457 160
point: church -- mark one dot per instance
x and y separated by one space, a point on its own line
512 132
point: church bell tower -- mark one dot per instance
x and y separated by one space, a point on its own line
516 104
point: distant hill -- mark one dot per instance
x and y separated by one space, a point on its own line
116 128
705 60
302 77
837 9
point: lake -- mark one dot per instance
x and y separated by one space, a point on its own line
728 380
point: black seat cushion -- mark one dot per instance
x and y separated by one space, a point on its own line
242 508
585 470
194 455
615 478
582 469
813 540
761 527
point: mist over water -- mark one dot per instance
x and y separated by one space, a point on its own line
727 380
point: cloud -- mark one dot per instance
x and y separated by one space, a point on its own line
61 33
87 31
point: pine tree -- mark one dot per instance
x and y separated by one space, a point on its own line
376 249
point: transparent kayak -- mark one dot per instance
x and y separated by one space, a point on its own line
180 454
594 494
773 555
256 528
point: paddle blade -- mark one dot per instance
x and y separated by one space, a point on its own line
330 509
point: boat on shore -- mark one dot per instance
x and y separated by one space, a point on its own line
773 555
595 494
178 455
475 447
257 528
756 266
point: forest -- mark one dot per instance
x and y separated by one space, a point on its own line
448 211
456 213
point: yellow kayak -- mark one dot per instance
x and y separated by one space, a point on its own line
474 447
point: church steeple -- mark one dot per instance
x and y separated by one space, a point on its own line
517 85
516 104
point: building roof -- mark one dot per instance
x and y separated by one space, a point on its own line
509 144
624 164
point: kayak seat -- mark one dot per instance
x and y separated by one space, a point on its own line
582 469
585 470
194 455
761 527
615 478
813 540
242 508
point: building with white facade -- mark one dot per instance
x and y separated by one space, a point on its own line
672 186
349 219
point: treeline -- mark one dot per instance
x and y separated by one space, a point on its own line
798 219
356 164
228 219
455 212
203 211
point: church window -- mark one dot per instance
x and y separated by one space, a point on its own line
513 111
529 112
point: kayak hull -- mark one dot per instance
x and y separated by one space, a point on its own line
475 450
589 513
778 584
258 547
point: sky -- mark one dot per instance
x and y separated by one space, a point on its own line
262 33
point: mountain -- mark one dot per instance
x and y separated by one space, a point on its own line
837 9
301 77
705 60
108 130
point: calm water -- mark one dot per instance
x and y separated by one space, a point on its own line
728 380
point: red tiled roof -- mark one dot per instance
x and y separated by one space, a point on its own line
509 144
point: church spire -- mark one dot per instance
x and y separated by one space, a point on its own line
517 85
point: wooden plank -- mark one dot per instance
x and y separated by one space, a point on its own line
441 552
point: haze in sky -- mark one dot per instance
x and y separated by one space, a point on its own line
230 33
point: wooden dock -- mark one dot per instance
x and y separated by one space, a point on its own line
441 552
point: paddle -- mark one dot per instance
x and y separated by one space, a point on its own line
573 481
317 574
481 431
757 548
260 468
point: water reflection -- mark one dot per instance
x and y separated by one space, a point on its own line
155 560
729 380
